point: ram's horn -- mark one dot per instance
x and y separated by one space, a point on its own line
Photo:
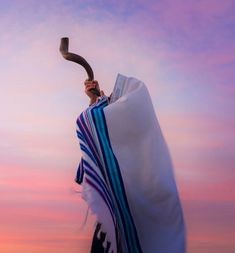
64 46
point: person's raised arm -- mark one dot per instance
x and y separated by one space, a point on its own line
89 85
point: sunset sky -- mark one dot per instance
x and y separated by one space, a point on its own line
183 50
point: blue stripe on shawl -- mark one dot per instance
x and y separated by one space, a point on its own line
80 136
80 172
101 182
105 195
90 142
86 132
98 190
117 184
110 170
123 194
102 151
85 149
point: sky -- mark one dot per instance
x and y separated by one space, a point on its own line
182 50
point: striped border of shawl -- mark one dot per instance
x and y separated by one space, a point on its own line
93 132
125 220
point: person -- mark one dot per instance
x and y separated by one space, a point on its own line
127 173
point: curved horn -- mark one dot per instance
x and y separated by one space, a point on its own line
64 46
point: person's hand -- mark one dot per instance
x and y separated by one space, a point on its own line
88 86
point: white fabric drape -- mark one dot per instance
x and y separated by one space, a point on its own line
146 172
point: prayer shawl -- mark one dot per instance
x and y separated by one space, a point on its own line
126 172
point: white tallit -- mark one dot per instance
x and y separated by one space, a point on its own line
151 203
